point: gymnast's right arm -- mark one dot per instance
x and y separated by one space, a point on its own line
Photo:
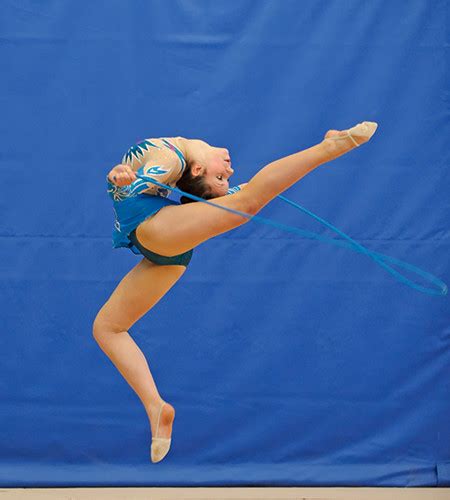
121 175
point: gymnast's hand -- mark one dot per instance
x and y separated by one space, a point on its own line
122 175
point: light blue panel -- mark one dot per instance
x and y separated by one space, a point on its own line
289 362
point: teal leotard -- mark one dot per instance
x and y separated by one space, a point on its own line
161 160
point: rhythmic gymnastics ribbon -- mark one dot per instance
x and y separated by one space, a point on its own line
379 258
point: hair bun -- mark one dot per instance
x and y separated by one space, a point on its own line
185 199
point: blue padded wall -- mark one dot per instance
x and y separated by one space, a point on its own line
289 361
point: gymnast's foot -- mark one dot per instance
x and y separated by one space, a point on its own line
339 142
162 416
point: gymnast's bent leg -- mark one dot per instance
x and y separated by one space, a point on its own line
135 295
179 228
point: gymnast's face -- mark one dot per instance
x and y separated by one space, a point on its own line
219 171
216 168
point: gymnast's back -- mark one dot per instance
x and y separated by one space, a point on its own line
162 159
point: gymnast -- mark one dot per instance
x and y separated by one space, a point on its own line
165 232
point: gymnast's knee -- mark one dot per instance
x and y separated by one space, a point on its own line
102 328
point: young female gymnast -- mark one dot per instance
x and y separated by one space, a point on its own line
166 232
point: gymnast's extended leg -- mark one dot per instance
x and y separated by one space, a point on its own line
177 229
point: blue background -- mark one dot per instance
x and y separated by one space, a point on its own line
289 361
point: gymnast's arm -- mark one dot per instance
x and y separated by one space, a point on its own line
124 182
162 160
121 175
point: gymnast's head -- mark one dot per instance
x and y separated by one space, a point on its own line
208 172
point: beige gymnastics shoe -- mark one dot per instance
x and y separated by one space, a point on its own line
160 446
363 132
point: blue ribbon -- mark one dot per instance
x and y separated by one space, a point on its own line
379 258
